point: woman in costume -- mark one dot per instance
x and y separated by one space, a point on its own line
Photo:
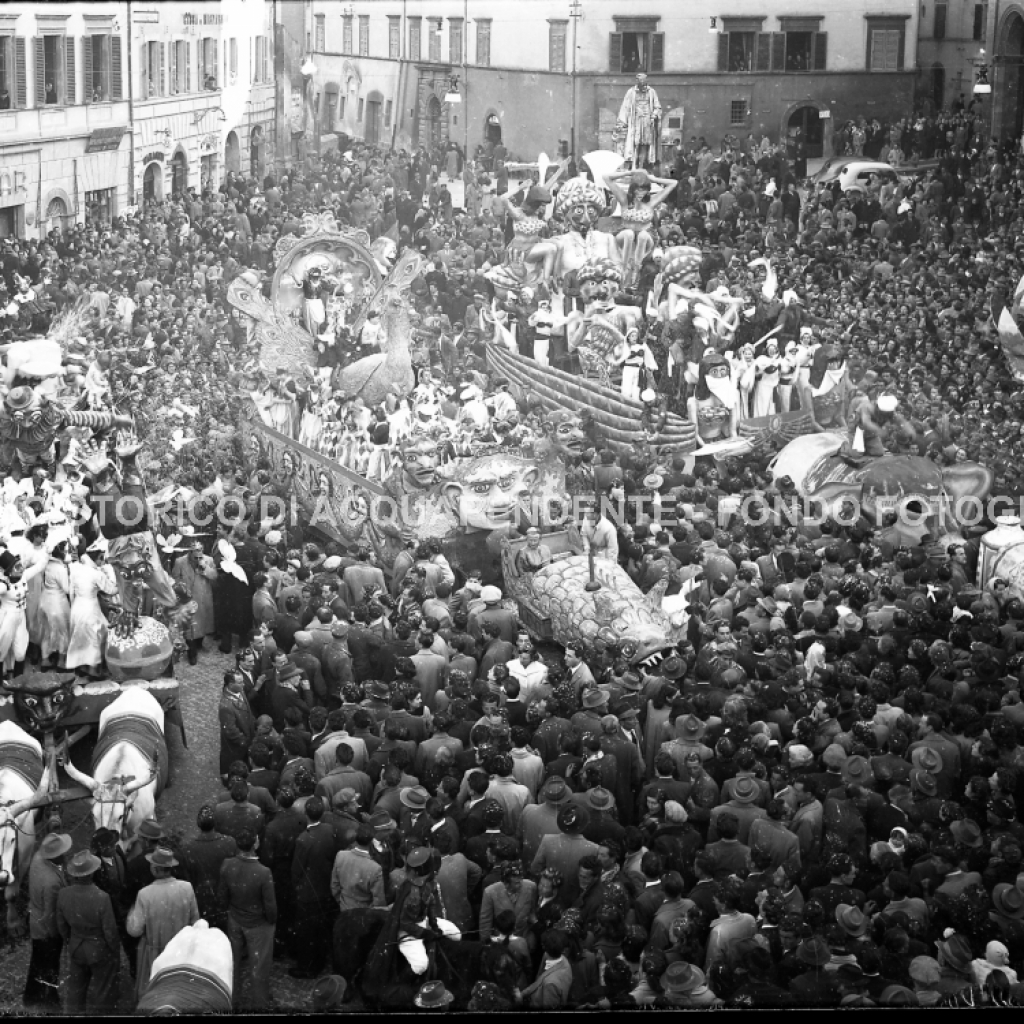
90 577
714 407
637 206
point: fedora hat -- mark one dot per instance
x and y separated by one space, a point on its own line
682 978
956 951
966 833
150 829
555 790
927 759
56 844
852 920
626 705
161 857
378 690
599 799
814 951
83 864
415 797
433 995
572 820
692 727
745 790
672 668
923 782
834 756
328 992
381 821
594 698
1008 901
288 672
858 770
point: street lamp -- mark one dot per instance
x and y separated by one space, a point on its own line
982 86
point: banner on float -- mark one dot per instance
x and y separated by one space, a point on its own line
332 498
1013 343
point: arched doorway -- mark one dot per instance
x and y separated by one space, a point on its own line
372 130
492 129
806 127
938 91
56 215
179 173
256 152
434 121
1007 79
153 183
232 154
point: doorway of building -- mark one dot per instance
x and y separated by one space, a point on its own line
232 154
373 105
492 130
179 173
1011 84
256 152
805 124
433 139
10 217
56 215
153 183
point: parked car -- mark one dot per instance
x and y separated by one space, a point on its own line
857 174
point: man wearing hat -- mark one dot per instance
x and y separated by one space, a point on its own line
563 852
506 621
45 881
541 819
160 911
85 920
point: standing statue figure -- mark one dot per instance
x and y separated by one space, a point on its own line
639 125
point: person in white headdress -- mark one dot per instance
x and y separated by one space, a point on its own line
639 358
744 369
792 371
767 374
714 405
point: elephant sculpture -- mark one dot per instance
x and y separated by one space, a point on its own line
909 483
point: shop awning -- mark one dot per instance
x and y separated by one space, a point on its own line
103 140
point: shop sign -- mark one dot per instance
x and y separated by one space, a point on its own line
13 183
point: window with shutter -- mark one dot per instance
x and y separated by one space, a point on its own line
657 51
70 78
415 36
40 73
820 50
556 45
216 64
87 69
483 42
172 70
115 68
346 33
764 51
20 73
161 88
723 52
778 51
615 52
364 35
234 58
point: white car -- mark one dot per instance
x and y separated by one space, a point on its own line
857 174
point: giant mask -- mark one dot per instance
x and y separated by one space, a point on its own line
42 701
24 407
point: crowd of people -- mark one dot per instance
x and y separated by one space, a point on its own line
811 801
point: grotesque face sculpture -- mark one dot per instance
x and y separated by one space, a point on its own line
488 490
42 702
564 432
598 282
420 459
580 203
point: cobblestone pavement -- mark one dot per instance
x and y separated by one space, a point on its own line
193 781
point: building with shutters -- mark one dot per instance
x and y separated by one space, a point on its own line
535 74
951 37
202 79
64 116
